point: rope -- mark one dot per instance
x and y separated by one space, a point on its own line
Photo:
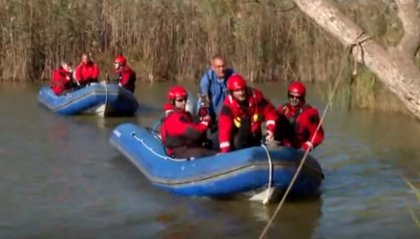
358 42
106 97
270 174
164 157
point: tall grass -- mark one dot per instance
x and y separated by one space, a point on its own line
173 40
164 40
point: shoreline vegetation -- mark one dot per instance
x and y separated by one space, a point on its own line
173 40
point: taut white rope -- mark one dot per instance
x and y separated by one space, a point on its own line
270 174
106 97
292 182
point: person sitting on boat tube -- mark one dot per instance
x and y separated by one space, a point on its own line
86 72
62 80
182 137
241 116
125 76
299 120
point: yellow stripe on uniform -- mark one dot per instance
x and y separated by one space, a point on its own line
237 122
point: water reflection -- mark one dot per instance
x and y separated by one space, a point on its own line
60 178
239 219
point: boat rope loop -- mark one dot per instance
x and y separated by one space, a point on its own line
348 50
164 157
106 96
270 174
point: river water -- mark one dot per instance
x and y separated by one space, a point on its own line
59 178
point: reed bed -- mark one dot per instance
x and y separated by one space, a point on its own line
164 40
265 40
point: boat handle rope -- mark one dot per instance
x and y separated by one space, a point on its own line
153 151
270 174
106 96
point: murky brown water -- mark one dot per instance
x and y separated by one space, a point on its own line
59 178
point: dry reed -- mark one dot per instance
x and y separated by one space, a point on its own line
173 40
164 40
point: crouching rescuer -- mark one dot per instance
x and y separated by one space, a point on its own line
242 114
182 137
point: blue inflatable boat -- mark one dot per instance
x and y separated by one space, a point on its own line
256 173
97 98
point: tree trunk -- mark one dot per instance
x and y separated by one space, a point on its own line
395 67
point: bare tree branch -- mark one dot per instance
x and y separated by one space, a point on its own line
327 16
410 42
398 73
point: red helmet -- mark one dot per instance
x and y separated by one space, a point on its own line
177 92
236 82
297 88
120 59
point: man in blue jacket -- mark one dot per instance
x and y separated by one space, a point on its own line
213 86
213 92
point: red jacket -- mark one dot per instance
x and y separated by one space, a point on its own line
259 109
304 119
61 81
126 78
178 129
86 73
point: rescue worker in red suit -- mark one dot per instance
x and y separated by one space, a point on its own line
86 72
241 116
125 76
62 81
300 120
182 137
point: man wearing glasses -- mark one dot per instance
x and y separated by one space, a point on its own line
126 77
299 120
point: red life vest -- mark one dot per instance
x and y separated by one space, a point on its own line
232 114
86 73
61 81
303 120
178 129
126 78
